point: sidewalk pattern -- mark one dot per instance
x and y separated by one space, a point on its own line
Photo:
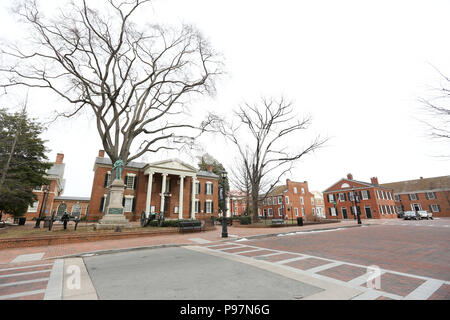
25 281
393 285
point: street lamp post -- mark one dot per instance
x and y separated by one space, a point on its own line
356 200
222 196
43 205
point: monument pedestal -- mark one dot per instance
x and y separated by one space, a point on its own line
114 213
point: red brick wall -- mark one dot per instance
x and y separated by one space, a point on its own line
442 199
373 202
294 201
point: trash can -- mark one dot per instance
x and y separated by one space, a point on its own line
22 221
300 221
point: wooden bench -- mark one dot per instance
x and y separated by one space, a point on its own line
277 221
190 225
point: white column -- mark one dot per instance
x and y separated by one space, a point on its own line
149 194
193 198
163 189
180 201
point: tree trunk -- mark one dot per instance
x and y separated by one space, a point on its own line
6 168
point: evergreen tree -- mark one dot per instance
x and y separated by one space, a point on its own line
22 161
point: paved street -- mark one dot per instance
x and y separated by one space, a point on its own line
413 258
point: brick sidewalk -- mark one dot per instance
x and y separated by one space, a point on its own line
7 255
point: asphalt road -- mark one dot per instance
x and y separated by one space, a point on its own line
178 273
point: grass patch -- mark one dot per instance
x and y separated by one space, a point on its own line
11 232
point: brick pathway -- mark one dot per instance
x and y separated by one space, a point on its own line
28 280
7 255
392 285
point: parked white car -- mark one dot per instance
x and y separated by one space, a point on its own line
423 214
410 215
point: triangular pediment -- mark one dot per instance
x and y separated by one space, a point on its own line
172 165
346 184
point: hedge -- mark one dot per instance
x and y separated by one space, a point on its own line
168 223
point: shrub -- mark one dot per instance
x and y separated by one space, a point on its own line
245 220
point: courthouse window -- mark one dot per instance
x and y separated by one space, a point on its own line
34 207
128 204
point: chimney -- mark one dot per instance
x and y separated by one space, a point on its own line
59 158
349 176
101 153
210 168
374 180
288 182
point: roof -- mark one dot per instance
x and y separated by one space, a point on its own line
423 184
56 170
132 164
278 190
208 174
67 198
142 165
367 184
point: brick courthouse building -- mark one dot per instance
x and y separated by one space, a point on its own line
172 186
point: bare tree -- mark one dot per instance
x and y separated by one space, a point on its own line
241 182
270 152
136 81
438 111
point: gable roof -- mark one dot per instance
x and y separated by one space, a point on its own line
366 184
423 184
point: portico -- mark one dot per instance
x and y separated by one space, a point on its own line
167 169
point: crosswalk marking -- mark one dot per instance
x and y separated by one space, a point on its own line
23 282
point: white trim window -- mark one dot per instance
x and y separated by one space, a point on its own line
296 212
301 200
431 196
303 212
381 209
365 195
280 199
351 196
295 189
341 197
37 188
76 210
197 207
279 212
270 212
108 178
378 194
331 198
128 207
287 200
332 212
303 190
413 196
312 201
197 187
435 208
209 189
396 197
131 177
152 209
34 207
208 206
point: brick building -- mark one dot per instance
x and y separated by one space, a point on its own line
237 203
46 194
172 186
430 194
347 197
318 209
75 206
288 202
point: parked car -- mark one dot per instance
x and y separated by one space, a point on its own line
423 214
410 215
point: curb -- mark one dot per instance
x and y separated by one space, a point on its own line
159 246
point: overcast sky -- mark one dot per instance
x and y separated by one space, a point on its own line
357 67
